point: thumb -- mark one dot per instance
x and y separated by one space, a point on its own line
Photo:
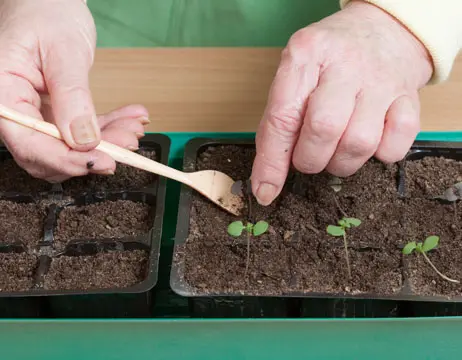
66 76
279 128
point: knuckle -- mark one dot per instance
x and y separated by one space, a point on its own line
299 43
388 157
285 122
306 167
305 163
70 87
360 144
270 168
408 125
325 127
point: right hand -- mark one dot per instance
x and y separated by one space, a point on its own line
47 51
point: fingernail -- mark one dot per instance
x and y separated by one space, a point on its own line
266 194
144 120
83 130
108 172
132 148
139 135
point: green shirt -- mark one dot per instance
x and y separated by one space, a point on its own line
147 23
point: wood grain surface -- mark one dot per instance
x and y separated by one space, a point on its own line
222 89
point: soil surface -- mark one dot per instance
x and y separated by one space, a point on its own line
431 176
14 179
125 178
21 223
116 269
424 218
108 219
17 271
296 254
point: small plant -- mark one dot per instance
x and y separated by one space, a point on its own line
430 243
453 193
340 230
236 229
335 183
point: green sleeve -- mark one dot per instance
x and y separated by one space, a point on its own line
147 23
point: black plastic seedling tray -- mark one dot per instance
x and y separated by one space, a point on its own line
132 301
323 305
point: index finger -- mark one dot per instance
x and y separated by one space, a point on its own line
280 125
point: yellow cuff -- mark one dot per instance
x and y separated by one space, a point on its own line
437 24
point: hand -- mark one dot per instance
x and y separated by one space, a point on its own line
346 90
48 49
123 127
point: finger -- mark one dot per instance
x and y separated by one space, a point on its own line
121 137
130 112
402 124
43 156
362 136
328 112
65 69
276 136
129 125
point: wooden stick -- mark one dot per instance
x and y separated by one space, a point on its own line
116 152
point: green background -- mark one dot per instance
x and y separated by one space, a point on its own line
152 23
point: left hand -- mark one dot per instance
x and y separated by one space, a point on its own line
123 127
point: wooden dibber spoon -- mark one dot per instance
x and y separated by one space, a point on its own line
214 185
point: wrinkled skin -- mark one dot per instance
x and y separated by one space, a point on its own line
47 49
346 90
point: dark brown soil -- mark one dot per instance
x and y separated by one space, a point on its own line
117 269
431 176
21 223
14 179
109 219
423 218
297 255
125 178
17 271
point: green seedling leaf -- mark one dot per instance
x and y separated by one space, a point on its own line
418 248
409 248
335 230
353 221
430 243
236 228
260 228
343 223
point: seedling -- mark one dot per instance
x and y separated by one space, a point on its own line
340 230
452 193
236 229
335 183
430 243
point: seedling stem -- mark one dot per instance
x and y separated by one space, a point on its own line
237 227
340 230
430 243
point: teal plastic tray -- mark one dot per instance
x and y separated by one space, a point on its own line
177 338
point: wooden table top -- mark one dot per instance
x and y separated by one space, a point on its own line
222 89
